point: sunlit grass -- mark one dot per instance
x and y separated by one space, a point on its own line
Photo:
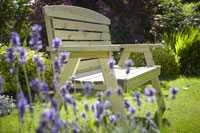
183 113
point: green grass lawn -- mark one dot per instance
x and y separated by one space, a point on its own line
183 113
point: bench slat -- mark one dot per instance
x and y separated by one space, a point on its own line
119 73
75 13
87 48
74 25
96 76
66 43
75 35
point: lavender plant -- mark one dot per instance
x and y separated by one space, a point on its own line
96 117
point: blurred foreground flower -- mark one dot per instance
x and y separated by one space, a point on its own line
21 105
1 84
111 63
173 92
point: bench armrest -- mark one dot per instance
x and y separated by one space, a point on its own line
145 48
138 47
71 48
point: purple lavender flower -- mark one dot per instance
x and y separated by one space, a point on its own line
15 39
35 84
128 64
68 98
57 42
83 114
99 111
44 87
35 41
63 91
173 92
63 57
72 78
12 70
54 103
50 114
1 84
111 63
108 92
21 105
86 106
112 118
36 28
151 99
57 64
148 114
131 110
92 107
119 90
150 92
40 65
138 97
10 57
132 117
44 122
99 94
118 116
107 104
127 103
87 88
22 54
55 81
74 105
69 84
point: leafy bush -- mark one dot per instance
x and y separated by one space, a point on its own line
14 16
186 45
7 105
10 86
162 56
172 16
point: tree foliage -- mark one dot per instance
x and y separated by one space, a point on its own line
14 16
131 19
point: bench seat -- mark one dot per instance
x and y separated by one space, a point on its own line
127 81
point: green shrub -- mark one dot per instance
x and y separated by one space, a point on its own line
173 15
186 44
162 56
9 85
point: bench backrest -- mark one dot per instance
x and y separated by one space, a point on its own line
77 26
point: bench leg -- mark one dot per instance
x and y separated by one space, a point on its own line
159 95
69 70
111 82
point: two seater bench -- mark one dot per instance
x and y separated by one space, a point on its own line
85 34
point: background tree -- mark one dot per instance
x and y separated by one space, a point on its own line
131 20
14 16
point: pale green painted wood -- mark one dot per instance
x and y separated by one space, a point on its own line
160 99
87 48
111 82
75 13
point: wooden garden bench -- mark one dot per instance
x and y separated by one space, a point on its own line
85 34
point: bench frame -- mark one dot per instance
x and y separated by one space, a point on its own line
102 52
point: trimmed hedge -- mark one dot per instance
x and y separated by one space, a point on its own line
163 56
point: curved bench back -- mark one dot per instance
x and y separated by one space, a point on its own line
77 26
